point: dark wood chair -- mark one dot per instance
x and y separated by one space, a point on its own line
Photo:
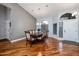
29 39
27 36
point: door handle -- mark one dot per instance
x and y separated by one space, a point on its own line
76 31
64 30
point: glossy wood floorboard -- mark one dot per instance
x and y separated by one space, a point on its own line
51 49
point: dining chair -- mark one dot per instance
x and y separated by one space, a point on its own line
29 39
27 35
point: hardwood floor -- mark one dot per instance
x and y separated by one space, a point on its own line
51 49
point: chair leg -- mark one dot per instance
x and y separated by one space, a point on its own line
26 42
30 44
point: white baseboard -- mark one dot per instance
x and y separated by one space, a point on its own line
18 39
60 39
56 37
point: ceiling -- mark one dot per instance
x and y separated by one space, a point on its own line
45 9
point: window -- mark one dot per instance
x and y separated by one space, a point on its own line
55 28
69 16
45 22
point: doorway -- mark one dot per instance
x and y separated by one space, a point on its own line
44 26
4 22
61 29
55 28
68 27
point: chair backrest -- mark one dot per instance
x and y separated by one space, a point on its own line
27 34
31 31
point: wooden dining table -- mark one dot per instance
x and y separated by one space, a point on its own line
36 34
35 37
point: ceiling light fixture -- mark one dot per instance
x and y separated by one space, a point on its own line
46 5
45 22
38 8
32 10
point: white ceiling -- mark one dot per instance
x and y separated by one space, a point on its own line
44 9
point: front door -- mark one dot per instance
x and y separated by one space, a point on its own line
70 30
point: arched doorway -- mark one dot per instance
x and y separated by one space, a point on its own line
65 16
68 27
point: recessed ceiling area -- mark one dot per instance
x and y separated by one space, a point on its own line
45 9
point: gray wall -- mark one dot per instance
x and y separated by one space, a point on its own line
2 22
21 20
